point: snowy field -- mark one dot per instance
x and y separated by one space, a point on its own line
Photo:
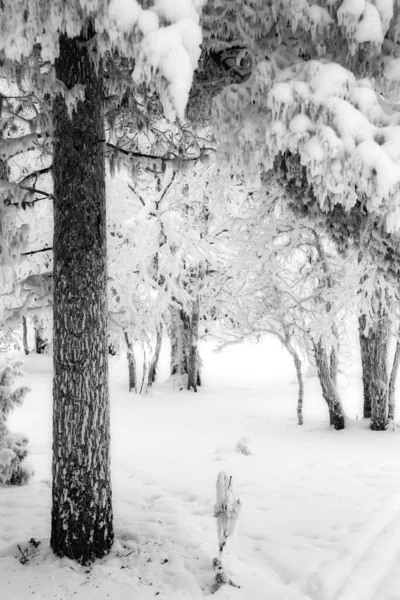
321 514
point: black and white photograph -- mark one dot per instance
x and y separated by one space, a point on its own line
199 299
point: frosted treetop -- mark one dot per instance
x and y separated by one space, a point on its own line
164 39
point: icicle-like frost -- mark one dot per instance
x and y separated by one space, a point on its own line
227 510
344 134
369 28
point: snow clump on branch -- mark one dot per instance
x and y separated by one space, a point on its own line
338 126
173 50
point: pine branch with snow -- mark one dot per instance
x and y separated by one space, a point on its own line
13 447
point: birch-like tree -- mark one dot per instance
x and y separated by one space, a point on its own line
305 108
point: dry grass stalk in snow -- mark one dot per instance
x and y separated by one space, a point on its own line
227 510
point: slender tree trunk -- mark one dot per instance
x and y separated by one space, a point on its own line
330 384
193 351
380 378
25 335
184 333
297 364
334 365
131 363
82 520
374 356
143 387
392 381
155 360
179 334
329 389
40 340
299 375
366 352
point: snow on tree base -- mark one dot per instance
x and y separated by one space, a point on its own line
221 577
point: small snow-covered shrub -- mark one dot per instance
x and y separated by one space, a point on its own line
244 446
13 447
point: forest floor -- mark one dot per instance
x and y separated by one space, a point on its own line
321 509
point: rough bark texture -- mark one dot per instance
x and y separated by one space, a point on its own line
25 335
380 379
193 351
329 390
334 365
184 333
131 364
392 381
82 524
366 353
374 357
179 335
333 362
154 362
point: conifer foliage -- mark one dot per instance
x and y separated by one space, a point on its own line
59 48
13 447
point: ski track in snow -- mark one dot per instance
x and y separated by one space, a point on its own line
321 516
364 567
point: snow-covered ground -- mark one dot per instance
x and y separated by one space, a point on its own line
321 516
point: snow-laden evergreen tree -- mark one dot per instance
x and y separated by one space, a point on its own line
13 446
304 106
77 37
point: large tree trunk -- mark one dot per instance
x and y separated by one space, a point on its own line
82 521
156 357
193 351
132 384
392 381
329 389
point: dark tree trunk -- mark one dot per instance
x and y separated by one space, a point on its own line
366 353
155 360
374 356
40 340
392 381
329 389
380 378
131 364
82 521
334 365
184 333
329 385
179 335
25 335
193 351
